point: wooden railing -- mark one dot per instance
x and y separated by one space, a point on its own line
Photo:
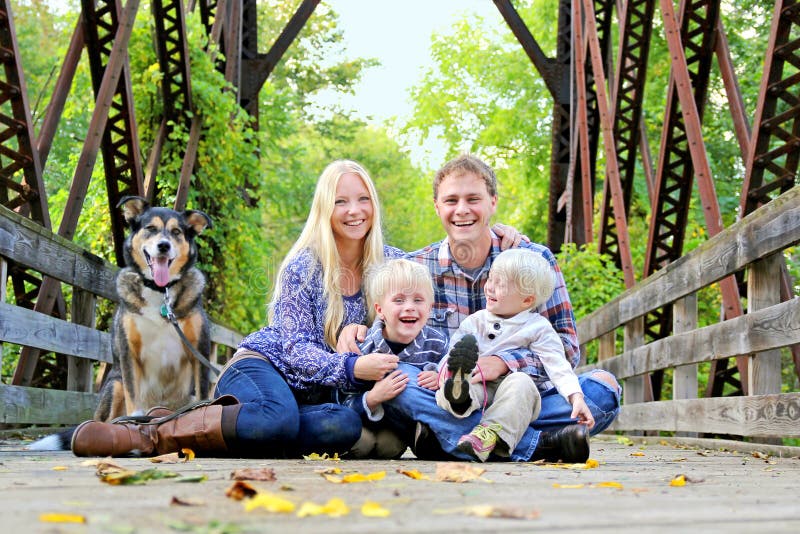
28 244
756 244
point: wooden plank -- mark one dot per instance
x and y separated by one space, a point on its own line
46 407
684 319
32 245
770 328
684 377
764 290
26 327
79 370
757 415
225 336
634 386
769 229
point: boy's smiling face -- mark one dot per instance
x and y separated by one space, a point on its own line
404 312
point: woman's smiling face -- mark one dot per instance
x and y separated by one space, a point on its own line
352 212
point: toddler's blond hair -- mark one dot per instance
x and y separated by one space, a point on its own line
530 273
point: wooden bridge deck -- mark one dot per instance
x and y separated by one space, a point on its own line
727 490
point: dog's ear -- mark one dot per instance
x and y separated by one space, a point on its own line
132 207
197 221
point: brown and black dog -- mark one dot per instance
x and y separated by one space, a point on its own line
152 365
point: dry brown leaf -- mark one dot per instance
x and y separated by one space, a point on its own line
107 466
180 501
169 458
240 490
458 472
263 474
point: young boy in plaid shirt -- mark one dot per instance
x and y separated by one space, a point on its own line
399 298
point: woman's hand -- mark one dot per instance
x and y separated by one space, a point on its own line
349 338
580 410
387 388
428 380
509 236
374 366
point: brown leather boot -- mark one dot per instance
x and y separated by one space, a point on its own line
202 428
94 438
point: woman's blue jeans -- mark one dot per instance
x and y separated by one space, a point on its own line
419 404
270 421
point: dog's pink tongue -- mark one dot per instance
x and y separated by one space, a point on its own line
160 268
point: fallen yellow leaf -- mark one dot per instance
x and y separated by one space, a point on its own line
60 468
607 485
188 455
638 453
320 457
591 463
270 502
62 518
335 507
413 473
358 477
679 480
354 477
567 486
373 509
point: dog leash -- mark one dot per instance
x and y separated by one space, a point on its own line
166 312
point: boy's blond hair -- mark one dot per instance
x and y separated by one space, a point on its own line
393 276
530 273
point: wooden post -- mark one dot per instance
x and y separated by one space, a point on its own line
79 370
684 379
763 290
608 346
633 389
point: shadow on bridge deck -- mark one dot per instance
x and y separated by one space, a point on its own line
630 489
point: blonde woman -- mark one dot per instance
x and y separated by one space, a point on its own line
274 396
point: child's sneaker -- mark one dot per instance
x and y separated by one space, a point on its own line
480 442
460 363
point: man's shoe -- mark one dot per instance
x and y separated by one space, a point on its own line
569 445
460 363
480 442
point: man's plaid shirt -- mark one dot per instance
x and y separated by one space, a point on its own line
457 295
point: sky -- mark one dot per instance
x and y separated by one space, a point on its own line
397 32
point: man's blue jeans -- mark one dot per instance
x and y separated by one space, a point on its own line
271 423
419 404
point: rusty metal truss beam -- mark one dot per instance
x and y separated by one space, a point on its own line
106 45
631 69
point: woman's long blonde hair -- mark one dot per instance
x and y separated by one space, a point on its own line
317 236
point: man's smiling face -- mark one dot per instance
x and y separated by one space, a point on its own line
465 207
